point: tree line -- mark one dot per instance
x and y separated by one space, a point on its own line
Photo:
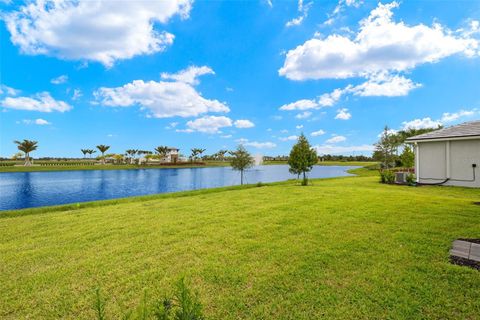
392 151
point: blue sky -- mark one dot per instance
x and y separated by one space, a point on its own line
214 74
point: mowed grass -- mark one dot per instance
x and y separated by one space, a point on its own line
346 248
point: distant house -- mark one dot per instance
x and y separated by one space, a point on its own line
449 156
172 155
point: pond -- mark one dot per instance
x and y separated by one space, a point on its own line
35 189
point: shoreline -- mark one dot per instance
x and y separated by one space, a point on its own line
354 173
12 169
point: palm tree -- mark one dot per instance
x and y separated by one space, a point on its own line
161 151
200 151
146 154
131 153
103 148
85 152
196 152
91 151
26 146
221 154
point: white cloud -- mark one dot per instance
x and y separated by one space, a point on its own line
379 84
213 124
336 139
303 10
8 90
103 31
284 131
303 104
299 126
227 136
163 99
317 133
332 149
325 100
42 102
421 124
188 75
39 121
259 145
450 117
209 124
289 138
447 117
329 99
381 45
303 115
77 93
385 85
171 125
60 79
244 124
343 114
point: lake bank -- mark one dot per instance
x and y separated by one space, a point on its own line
35 189
173 166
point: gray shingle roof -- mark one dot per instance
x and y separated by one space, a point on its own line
467 129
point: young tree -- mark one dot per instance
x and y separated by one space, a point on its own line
103 148
302 158
407 157
386 148
27 146
241 160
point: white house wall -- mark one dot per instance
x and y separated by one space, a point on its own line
432 161
449 159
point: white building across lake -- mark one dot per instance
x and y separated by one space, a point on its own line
449 156
172 155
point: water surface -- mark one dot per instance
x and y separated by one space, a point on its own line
34 189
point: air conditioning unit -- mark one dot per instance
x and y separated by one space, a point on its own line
401 177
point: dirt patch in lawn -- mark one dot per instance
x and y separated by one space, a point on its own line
465 262
470 240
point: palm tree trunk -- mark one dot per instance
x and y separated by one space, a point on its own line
241 177
27 160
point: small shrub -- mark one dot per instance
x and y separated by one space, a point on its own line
387 176
183 305
99 305
411 180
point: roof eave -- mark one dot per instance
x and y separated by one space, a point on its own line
413 140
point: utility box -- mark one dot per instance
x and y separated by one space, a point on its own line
401 177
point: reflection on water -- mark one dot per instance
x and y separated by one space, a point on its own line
34 189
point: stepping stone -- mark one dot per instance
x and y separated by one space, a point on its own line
466 253
461 249
475 252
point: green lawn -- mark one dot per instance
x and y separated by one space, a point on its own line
347 248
